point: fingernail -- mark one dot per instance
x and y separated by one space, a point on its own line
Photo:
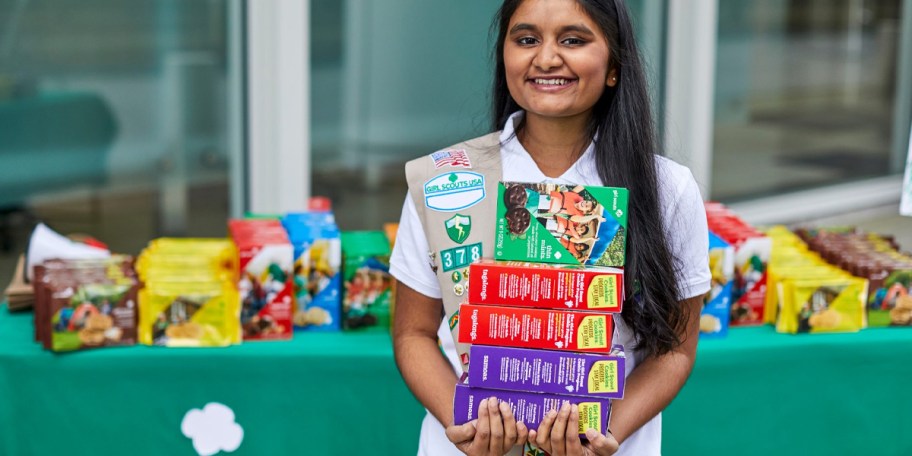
483 402
591 434
565 407
574 408
493 401
552 413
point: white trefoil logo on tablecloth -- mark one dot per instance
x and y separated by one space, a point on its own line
212 429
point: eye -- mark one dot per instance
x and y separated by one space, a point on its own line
526 41
573 41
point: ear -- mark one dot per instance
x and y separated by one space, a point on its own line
612 78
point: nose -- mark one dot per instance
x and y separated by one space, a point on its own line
548 57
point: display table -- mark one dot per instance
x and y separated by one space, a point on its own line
320 394
761 393
756 392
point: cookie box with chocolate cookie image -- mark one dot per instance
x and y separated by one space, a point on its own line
189 314
591 332
558 223
317 270
717 301
92 315
542 285
822 305
530 408
548 371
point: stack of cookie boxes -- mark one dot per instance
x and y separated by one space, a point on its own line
541 324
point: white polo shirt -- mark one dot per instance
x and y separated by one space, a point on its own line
685 228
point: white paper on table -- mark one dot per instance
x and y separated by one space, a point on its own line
46 244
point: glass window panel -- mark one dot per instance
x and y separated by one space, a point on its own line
114 119
804 94
398 79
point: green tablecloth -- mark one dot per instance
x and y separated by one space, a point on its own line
755 392
319 394
761 393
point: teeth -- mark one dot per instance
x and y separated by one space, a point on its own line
551 81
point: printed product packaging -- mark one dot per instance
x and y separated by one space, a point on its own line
556 223
317 270
531 408
265 260
536 328
190 314
189 296
366 279
551 286
82 304
717 302
752 253
822 305
548 371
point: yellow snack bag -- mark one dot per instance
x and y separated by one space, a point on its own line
822 305
189 314
773 302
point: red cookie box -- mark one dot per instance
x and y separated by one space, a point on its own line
752 252
266 281
552 286
536 328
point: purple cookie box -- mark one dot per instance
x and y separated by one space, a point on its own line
543 371
528 408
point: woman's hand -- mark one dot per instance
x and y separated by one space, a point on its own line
495 431
558 434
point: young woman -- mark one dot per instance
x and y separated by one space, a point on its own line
570 106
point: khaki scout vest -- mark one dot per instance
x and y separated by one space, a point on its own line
455 194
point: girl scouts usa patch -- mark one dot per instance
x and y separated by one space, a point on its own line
450 192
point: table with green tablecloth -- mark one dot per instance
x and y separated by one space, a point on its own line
318 394
755 392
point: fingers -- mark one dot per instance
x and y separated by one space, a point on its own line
522 434
542 437
558 432
483 427
496 442
461 433
571 435
509 426
602 445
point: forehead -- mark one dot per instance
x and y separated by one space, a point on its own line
547 13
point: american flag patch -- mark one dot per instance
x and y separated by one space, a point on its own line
456 158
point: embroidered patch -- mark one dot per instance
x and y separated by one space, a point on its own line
459 289
456 158
460 257
454 191
454 320
456 276
458 227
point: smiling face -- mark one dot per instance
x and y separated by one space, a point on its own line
556 59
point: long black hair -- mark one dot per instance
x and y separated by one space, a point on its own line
625 149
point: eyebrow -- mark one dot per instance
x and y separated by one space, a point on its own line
522 26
